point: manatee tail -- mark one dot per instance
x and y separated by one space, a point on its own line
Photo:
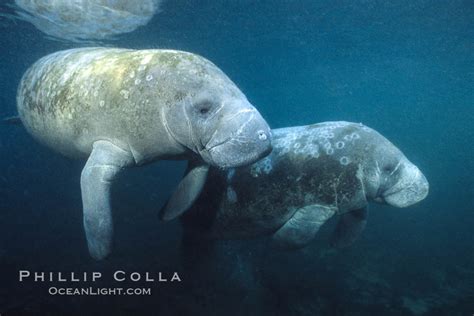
12 120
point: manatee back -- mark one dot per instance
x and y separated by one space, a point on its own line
307 166
54 103
72 98
327 161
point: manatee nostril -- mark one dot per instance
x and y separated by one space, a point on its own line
262 135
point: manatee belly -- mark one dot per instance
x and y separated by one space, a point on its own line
70 99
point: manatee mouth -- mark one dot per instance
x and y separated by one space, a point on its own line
405 194
210 148
241 139
236 151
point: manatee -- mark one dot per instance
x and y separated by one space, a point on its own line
119 108
84 20
313 173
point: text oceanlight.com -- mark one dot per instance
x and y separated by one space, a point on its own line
98 291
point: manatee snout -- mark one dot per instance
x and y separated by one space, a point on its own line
412 187
239 140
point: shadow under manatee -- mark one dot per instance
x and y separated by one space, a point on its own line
368 278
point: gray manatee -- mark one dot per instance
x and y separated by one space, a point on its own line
313 173
121 108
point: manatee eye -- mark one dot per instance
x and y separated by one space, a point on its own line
391 168
204 108
387 168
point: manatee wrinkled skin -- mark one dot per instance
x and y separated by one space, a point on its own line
122 107
313 173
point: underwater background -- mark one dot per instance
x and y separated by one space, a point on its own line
404 68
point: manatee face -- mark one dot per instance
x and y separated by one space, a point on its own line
233 133
394 180
216 121
411 186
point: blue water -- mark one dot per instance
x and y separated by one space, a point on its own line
404 68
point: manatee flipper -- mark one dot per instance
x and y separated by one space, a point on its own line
187 192
104 163
301 228
349 227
